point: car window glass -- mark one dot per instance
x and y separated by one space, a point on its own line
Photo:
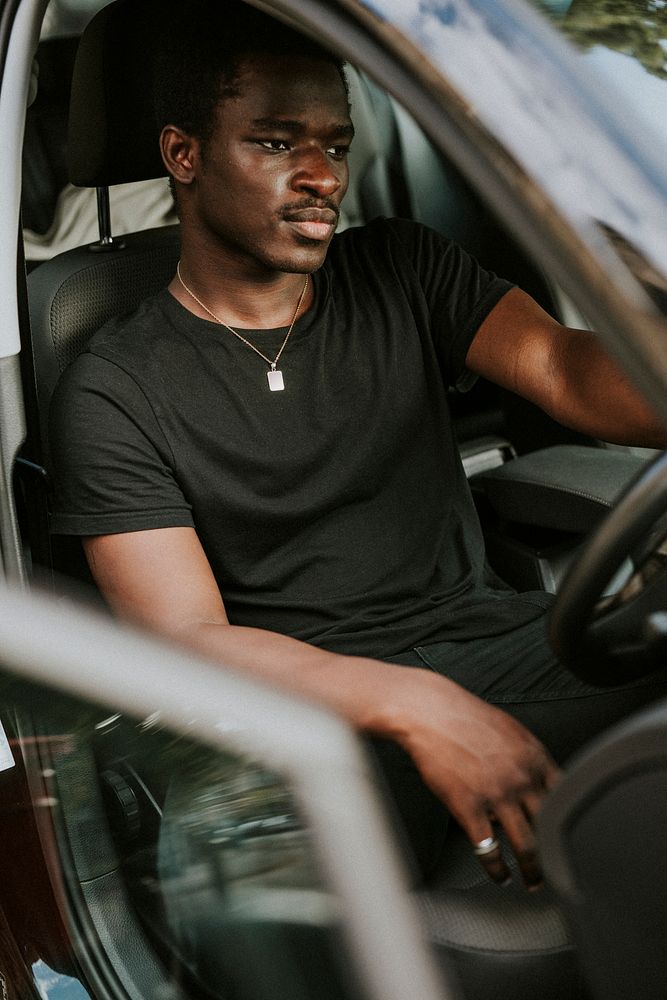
626 42
185 868
69 17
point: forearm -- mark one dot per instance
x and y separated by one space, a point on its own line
372 696
566 372
594 396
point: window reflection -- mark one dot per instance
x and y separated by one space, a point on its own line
53 985
625 41
637 28
240 878
652 280
202 860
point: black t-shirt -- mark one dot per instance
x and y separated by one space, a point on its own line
336 511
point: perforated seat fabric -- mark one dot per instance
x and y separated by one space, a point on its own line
75 293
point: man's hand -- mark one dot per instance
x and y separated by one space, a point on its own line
483 764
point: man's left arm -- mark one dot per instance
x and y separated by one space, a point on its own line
566 372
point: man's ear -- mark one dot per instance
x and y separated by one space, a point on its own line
180 152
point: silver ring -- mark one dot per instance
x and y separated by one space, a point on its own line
486 846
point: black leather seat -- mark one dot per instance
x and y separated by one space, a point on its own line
505 942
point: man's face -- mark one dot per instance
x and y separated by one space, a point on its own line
274 172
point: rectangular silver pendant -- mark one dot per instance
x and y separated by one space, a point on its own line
275 380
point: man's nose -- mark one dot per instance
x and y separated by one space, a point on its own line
318 173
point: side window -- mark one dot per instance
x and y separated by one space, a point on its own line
625 44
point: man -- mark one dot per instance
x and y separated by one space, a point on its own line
261 463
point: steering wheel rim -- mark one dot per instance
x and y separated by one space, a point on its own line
581 641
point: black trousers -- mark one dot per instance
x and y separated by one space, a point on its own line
519 673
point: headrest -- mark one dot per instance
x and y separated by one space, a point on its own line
112 135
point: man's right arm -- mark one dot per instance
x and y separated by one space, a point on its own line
482 763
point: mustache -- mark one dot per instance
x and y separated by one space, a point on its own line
320 207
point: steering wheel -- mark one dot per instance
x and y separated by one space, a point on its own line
608 640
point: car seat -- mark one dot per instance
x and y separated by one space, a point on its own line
504 942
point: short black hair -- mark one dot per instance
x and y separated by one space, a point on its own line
202 46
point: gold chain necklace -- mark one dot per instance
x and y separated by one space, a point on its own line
274 375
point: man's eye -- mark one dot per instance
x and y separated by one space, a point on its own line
275 145
338 152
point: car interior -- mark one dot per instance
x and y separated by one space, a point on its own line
534 510
539 488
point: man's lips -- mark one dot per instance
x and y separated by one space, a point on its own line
313 223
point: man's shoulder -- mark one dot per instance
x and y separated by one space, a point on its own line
120 354
131 334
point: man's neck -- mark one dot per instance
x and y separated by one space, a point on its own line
251 300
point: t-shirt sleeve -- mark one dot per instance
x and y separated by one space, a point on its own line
111 467
458 295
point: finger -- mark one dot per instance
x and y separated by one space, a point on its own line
521 837
545 772
489 852
552 777
533 798
531 803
